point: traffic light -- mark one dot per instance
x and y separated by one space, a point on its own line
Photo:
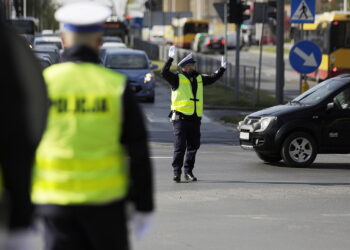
272 9
236 12
151 5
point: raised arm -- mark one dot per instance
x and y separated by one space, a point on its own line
210 79
171 77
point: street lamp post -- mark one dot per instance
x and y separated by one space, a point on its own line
345 5
25 8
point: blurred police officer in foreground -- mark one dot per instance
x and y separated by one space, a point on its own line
23 112
94 155
187 110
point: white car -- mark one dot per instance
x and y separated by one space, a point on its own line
48 40
113 45
232 40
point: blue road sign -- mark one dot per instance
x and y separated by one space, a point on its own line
136 23
302 11
305 57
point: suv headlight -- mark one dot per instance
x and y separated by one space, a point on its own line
148 78
241 123
263 123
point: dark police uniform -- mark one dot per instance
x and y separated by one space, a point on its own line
186 127
94 155
88 224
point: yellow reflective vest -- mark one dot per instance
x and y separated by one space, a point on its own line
182 99
80 159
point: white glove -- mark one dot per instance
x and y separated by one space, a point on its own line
141 224
24 239
172 52
223 62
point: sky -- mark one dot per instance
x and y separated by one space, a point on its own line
135 9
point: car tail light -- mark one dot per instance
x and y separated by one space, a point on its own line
223 42
335 22
335 69
207 43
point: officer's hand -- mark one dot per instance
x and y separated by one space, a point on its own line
223 62
141 224
23 239
172 52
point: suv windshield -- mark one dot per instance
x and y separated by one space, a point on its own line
123 61
319 92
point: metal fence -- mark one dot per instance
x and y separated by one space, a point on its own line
206 64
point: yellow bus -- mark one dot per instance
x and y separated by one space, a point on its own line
331 32
186 28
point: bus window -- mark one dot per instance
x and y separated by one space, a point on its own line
347 35
340 35
195 28
115 29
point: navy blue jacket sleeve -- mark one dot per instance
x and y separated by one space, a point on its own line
210 79
171 77
134 137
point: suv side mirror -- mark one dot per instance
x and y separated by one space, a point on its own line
330 106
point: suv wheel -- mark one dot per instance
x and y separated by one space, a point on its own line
269 157
299 150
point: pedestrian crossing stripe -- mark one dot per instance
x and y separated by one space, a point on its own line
303 12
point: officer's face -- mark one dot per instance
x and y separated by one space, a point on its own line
189 68
92 40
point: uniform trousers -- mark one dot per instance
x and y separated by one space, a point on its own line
93 227
187 141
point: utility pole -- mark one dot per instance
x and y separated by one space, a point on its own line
225 48
345 5
238 45
280 52
25 8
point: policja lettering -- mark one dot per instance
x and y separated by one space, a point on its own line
80 105
97 105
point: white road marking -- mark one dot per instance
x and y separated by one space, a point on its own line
161 157
151 117
336 215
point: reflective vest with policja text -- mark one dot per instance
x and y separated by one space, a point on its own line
80 159
182 99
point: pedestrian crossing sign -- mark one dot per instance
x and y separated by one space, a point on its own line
302 11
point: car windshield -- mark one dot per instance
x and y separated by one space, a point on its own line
57 44
124 61
319 92
24 26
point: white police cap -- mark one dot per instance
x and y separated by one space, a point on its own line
188 59
83 16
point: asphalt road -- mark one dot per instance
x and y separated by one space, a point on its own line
239 202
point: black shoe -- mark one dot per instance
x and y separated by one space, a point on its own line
190 177
177 178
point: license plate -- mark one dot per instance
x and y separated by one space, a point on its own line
244 136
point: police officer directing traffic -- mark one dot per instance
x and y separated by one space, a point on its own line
187 110
94 156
